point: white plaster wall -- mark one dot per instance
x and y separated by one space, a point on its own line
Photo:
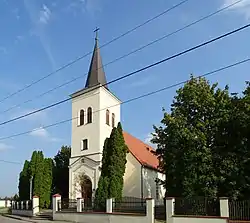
3 203
8 203
22 212
110 102
149 184
198 220
89 131
162 176
132 180
132 177
96 132
81 217
99 217
89 168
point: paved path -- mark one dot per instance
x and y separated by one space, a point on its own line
18 219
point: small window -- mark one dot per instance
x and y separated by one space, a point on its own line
81 117
84 144
107 117
113 120
89 119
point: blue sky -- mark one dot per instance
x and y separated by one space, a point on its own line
39 36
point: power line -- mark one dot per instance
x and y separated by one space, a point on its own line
10 162
85 55
128 54
133 73
135 98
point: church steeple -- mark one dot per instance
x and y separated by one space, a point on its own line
96 73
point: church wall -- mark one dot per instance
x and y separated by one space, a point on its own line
132 177
110 102
162 176
89 131
149 184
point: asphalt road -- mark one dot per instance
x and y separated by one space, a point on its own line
9 220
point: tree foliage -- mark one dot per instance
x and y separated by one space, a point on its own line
48 176
110 184
61 172
203 142
39 169
24 182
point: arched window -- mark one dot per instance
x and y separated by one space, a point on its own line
107 117
81 117
113 120
89 119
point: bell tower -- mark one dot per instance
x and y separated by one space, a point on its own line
95 111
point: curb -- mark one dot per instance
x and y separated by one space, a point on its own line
18 218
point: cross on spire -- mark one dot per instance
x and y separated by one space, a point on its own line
96 33
96 73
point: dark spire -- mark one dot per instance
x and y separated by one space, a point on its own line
96 73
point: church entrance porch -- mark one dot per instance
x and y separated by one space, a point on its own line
86 189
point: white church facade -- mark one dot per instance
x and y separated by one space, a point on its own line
95 111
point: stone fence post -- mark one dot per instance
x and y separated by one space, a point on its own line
35 205
56 198
79 204
109 205
224 209
169 209
150 210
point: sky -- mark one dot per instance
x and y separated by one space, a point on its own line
39 36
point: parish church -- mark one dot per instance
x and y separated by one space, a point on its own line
98 110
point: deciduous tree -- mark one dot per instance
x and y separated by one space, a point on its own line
186 144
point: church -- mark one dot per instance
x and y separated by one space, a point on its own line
98 110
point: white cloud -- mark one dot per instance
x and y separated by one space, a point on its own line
4 146
40 132
89 6
43 134
142 82
38 118
15 11
45 15
147 140
242 7
40 18
19 38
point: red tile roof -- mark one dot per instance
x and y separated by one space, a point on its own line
141 151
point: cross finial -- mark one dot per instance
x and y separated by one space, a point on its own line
96 33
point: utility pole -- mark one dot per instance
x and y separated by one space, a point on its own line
31 179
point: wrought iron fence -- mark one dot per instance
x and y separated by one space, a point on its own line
30 205
160 209
67 205
130 205
239 210
90 205
24 205
203 206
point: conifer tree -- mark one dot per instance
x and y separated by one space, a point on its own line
110 184
47 181
24 182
